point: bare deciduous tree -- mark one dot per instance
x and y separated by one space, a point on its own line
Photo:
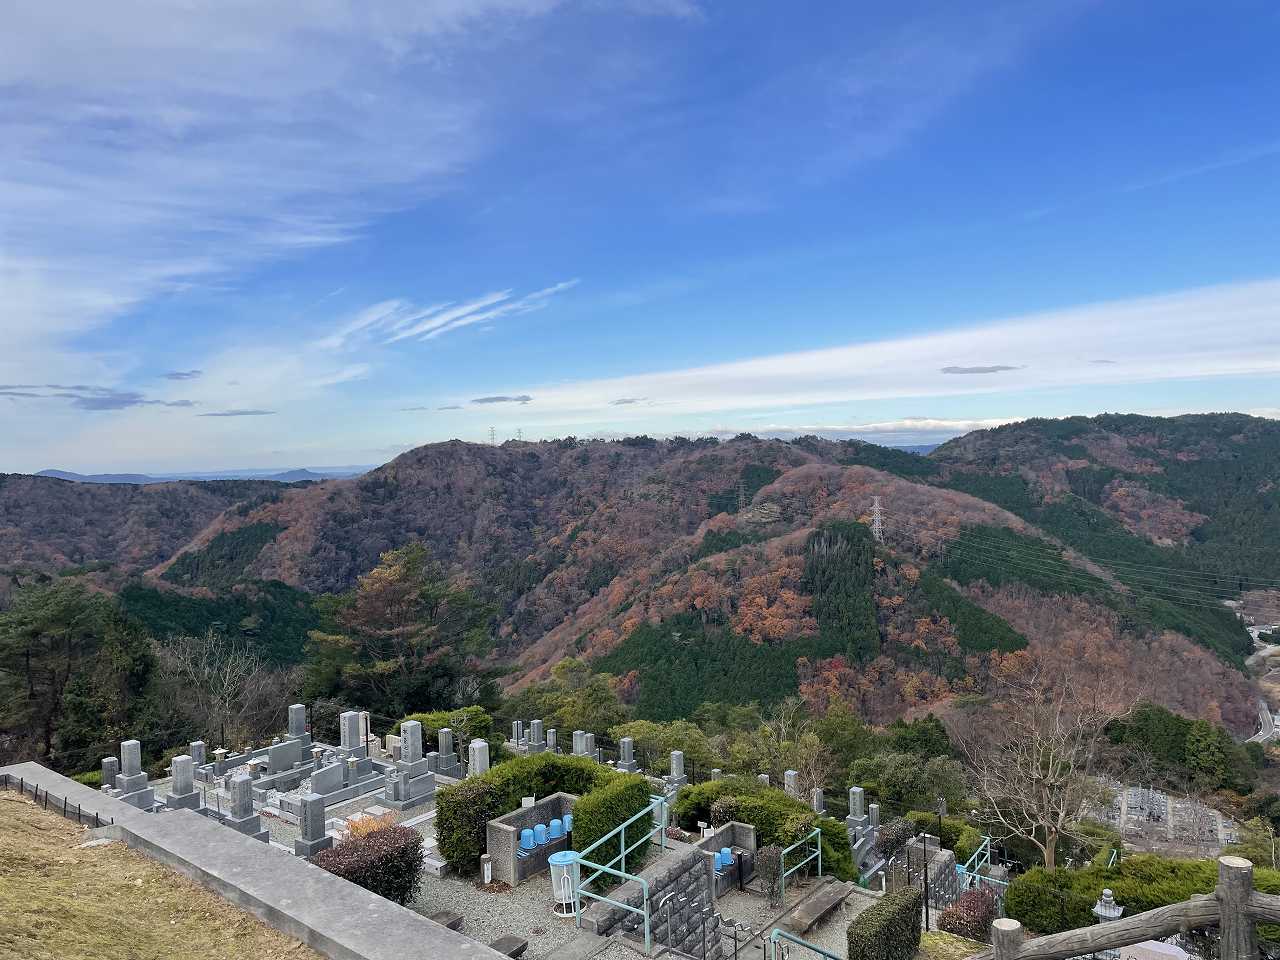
230 694
785 741
1034 760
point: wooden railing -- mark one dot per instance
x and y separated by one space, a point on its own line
1234 908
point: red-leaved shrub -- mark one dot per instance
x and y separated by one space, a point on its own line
971 915
386 861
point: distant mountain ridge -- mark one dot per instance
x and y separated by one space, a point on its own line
285 476
1053 530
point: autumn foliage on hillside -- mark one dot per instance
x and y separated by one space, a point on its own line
583 547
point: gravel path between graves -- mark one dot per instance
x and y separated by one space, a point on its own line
524 911
832 933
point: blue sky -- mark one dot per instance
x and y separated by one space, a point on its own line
233 235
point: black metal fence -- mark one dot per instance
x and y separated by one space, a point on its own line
50 801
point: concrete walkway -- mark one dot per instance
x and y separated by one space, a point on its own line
329 914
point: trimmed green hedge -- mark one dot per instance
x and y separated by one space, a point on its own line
889 930
463 809
387 862
603 809
1048 901
778 817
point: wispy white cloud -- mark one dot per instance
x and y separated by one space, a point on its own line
1159 338
239 413
150 148
392 321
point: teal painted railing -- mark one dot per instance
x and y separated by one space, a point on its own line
815 836
642 911
780 934
657 811
981 858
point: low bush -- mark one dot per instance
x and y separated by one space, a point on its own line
90 778
769 870
388 862
603 809
971 915
463 809
778 817
890 930
1048 901
893 836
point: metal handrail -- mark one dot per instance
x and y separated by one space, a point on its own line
981 858
657 810
657 805
812 835
780 934
580 891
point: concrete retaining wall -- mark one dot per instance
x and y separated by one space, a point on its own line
329 914
684 871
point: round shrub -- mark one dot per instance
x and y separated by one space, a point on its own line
971 915
387 862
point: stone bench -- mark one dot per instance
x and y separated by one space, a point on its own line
817 905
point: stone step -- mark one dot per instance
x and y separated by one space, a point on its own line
510 945
448 918
805 915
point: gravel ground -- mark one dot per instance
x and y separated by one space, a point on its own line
617 950
749 909
832 933
524 911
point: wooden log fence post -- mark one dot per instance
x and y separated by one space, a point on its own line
1239 935
1006 938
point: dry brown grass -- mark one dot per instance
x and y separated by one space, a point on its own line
935 945
59 901
363 826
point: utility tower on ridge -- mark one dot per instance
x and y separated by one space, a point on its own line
877 520
493 437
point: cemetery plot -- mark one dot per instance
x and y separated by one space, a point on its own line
1160 822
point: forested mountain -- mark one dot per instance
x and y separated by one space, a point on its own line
699 570
48 524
